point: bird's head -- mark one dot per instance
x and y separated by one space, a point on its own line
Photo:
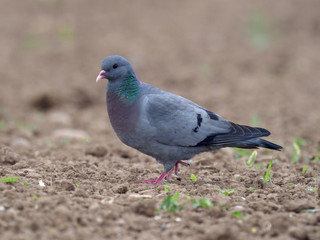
113 68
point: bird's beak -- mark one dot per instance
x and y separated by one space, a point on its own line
101 75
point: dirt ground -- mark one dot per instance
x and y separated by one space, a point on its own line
76 180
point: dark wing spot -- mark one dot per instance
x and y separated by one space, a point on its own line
199 121
212 115
199 118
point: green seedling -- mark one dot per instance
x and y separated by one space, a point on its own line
35 197
49 143
267 174
316 158
9 179
296 145
304 169
300 142
310 210
1 123
252 158
226 191
297 153
170 203
290 184
166 189
255 120
77 185
251 189
237 214
25 183
312 189
193 177
241 152
222 207
203 202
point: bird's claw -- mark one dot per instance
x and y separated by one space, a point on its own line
180 162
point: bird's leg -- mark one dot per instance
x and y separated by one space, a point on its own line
180 162
169 174
160 179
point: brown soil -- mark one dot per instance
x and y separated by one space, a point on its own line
236 59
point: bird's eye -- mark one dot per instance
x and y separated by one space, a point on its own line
115 66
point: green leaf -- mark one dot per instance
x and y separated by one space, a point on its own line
35 197
170 203
267 174
296 154
1 123
203 202
300 142
251 189
9 179
304 169
223 207
226 191
193 177
237 214
312 189
310 210
316 159
166 189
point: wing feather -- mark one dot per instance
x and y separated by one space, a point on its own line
180 122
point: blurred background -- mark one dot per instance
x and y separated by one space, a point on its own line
253 63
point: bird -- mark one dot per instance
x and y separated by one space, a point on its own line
165 126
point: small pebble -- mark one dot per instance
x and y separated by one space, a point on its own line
20 143
69 133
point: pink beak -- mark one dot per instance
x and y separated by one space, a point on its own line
101 75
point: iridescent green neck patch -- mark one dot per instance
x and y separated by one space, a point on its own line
129 89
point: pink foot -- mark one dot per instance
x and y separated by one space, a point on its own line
180 162
160 179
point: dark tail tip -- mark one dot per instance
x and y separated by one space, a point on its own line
269 145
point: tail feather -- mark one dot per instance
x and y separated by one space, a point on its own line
256 143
